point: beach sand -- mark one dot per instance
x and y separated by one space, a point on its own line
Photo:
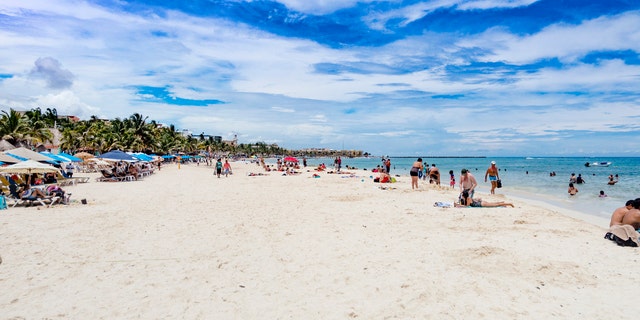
183 244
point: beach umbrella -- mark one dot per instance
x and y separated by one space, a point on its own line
28 167
9 159
83 155
54 157
290 159
98 162
117 155
69 157
6 145
142 157
26 153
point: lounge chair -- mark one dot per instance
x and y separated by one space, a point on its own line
46 201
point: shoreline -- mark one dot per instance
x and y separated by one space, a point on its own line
182 243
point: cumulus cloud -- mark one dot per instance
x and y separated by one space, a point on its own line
51 70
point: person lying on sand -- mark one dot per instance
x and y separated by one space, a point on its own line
467 201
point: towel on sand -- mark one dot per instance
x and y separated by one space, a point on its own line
623 235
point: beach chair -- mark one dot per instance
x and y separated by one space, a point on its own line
64 181
5 184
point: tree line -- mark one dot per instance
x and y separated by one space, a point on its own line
136 133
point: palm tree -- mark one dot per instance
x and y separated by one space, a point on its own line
13 126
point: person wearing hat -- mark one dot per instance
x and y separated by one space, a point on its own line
492 173
467 182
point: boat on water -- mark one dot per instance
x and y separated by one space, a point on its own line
598 164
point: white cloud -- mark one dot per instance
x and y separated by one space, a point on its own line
320 7
566 42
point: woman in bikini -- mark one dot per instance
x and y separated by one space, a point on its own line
417 166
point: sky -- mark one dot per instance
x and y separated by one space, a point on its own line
395 77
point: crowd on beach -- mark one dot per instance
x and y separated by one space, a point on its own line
46 188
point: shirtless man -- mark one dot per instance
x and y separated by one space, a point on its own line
434 174
618 214
633 216
467 182
492 172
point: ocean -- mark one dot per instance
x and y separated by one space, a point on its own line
529 178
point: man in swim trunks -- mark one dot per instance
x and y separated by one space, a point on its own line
467 182
492 173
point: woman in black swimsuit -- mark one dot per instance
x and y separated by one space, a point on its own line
417 167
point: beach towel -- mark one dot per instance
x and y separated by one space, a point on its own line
623 235
443 204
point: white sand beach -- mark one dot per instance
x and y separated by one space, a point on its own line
183 244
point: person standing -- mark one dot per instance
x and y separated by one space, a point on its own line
468 182
69 169
415 169
434 174
219 167
388 165
452 179
492 173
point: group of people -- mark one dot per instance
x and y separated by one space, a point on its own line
419 170
573 180
468 183
220 167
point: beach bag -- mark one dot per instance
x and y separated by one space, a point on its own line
619 241
499 183
623 235
3 202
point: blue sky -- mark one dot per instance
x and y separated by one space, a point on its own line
443 77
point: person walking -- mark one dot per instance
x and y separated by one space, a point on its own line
227 168
494 176
219 167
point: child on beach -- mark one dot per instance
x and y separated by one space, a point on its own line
227 168
452 179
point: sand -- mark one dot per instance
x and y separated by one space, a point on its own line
183 244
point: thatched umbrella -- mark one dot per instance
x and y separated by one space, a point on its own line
84 155
6 145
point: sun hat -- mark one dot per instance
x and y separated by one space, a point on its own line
493 162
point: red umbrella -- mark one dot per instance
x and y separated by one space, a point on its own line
290 159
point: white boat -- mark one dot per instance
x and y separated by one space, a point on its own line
598 164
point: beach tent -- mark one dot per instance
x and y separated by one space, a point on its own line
28 167
117 155
26 153
290 159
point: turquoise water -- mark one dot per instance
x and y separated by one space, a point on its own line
529 178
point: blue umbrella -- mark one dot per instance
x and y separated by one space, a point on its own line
17 157
117 155
68 156
142 157
54 157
